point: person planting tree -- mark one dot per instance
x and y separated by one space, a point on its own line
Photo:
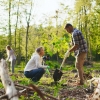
34 68
79 47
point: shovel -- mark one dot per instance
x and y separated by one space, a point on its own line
58 73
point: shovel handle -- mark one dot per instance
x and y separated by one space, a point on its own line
62 62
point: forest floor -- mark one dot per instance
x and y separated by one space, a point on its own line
66 89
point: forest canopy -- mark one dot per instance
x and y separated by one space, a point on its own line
25 36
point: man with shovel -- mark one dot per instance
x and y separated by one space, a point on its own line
79 47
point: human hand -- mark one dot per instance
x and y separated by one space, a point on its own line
48 67
47 71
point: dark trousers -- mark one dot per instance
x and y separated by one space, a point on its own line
35 74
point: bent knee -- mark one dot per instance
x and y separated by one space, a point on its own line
42 70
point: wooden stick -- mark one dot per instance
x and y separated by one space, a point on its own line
3 97
6 96
34 88
20 92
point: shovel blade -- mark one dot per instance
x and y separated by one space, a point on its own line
57 75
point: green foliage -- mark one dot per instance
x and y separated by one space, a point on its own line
1 85
36 97
53 64
87 17
54 39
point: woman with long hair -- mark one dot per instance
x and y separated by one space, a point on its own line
11 57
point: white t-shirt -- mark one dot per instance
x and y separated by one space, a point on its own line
11 55
34 63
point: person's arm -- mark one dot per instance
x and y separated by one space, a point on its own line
8 54
76 43
38 63
73 48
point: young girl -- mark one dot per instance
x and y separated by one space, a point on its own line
11 57
34 68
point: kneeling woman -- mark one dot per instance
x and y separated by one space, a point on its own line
34 68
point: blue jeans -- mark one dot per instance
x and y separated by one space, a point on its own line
35 74
13 62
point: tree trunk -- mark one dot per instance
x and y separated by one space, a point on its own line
9 22
85 30
17 17
19 49
27 41
57 54
27 31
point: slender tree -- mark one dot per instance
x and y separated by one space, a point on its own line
17 17
27 28
9 23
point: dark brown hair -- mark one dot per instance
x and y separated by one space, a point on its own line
67 25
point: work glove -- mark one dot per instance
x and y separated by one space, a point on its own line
47 71
48 67
67 54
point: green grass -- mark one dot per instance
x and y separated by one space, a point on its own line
54 90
